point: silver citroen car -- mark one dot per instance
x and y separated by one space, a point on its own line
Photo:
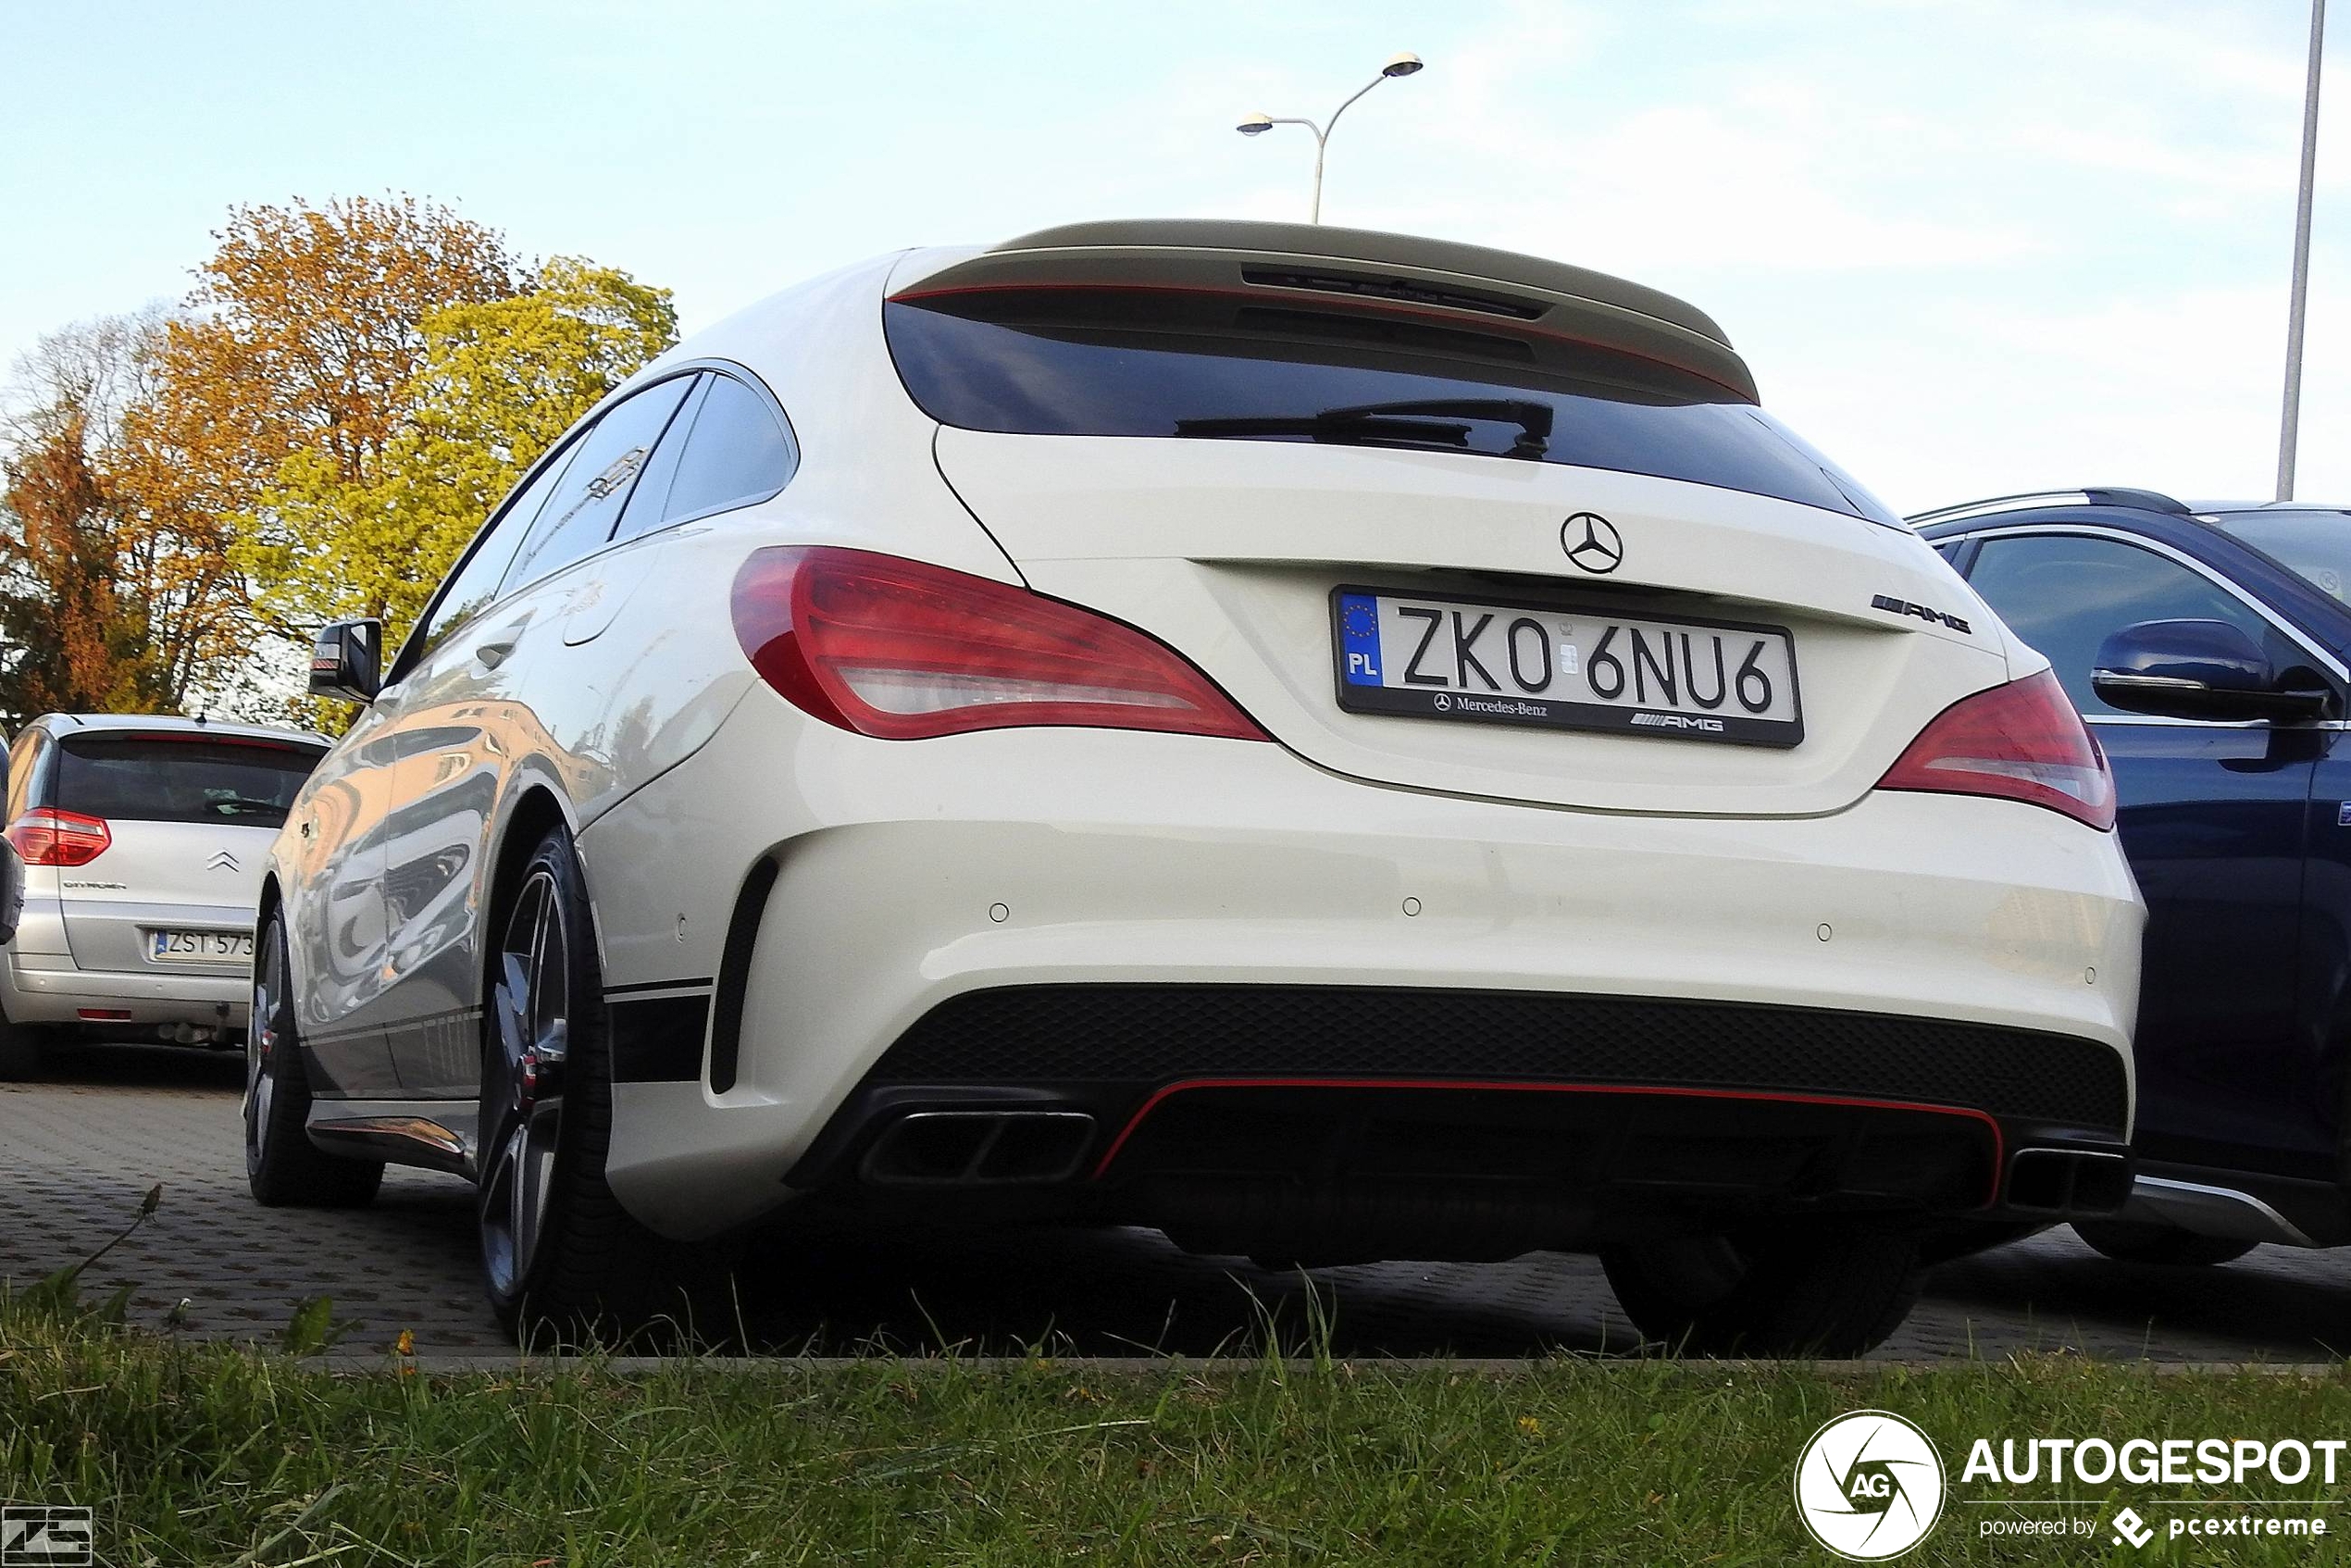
142 840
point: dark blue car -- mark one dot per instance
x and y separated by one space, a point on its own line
2209 644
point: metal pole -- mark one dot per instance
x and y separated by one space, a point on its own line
1323 138
2289 427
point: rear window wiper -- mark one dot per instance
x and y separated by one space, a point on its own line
232 806
1397 420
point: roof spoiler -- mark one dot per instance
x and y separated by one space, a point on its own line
1311 264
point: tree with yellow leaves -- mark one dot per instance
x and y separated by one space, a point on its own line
305 330
498 382
347 393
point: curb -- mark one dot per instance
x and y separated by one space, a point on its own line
461 1363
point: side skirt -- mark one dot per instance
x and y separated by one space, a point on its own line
437 1135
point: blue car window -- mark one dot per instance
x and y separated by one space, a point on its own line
2066 594
2315 546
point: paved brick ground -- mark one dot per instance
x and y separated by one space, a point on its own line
77 1152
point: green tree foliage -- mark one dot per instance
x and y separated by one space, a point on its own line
499 380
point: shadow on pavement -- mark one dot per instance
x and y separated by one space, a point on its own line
142 1065
2283 1303
1129 1292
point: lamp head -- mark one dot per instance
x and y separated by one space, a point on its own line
1402 65
1255 125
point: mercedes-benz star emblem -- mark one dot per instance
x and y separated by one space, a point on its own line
224 860
1592 543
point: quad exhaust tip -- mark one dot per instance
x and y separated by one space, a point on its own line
978 1149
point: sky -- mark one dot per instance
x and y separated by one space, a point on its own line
1969 246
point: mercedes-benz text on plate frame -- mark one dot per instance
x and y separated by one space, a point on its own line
1565 667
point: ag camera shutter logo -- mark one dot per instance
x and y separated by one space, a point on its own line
1868 1486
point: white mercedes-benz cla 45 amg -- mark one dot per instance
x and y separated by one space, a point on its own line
1333 745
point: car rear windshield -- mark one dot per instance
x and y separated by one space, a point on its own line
1133 363
2313 544
164 778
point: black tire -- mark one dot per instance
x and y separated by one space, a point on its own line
1811 1290
283 1168
2131 1243
563 1261
19 1051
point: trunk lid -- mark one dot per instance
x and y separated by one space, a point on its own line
1230 552
190 817
167 877
1207 429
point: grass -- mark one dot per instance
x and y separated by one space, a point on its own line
215 1453
202 1454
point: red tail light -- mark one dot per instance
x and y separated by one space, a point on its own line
898 650
47 837
2021 742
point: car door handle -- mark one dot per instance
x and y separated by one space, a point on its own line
494 652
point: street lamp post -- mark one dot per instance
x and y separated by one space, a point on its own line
2290 424
1255 125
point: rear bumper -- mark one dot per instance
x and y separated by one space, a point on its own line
1084 862
45 988
1274 1121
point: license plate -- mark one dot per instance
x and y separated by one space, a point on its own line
1565 667
199 947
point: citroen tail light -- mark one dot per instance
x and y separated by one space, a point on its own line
49 837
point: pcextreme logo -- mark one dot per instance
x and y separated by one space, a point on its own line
1868 1486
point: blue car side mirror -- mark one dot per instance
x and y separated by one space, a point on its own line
2200 670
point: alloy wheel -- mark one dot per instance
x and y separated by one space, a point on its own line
261 1041
522 1087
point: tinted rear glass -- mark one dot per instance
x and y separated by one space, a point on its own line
1112 362
144 779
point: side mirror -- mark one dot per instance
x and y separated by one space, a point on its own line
346 663
2198 670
